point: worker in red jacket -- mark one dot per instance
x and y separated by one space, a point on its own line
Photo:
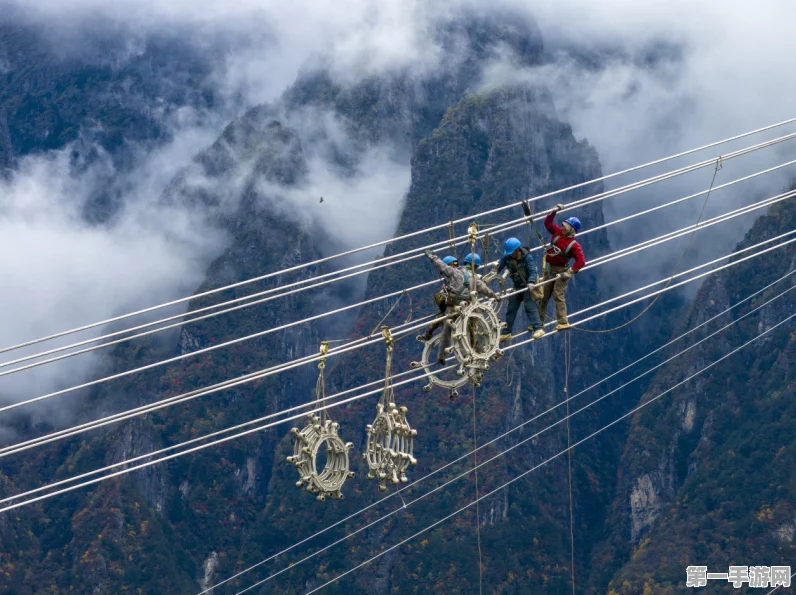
562 248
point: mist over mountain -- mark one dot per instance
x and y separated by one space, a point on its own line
152 150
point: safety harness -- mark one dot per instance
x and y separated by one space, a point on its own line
556 250
516 265
461 295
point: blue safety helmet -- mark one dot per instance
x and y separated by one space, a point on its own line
512 244
469 259
450 260
574 222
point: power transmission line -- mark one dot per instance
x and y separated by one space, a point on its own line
505 434
178 399
291 418
283 291
5 451
599 261
520 426
303 266
525 473
671 236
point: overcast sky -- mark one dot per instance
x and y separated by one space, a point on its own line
638 80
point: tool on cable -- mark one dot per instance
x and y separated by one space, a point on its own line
321 432
389 450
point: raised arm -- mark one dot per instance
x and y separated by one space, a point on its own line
502 263
447 271
550 223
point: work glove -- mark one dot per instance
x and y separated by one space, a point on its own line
559 207
428 253
566 275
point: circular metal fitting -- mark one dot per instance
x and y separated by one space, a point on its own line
390 446
475 340
477 335
497 283
309 444
458 377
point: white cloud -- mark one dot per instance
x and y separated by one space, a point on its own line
672 75
357 209
60 272
727 74
644 80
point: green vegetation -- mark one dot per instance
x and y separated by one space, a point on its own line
718 452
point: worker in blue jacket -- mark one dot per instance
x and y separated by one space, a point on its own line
522 268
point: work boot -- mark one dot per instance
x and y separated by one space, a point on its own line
538 333
506 337
562 326
424 337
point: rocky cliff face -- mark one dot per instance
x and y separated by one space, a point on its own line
687 489
55 89
406 105
182 526
105 91
492 148
219 506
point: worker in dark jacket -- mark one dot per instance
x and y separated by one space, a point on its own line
441 299
460 282
562 249
521 266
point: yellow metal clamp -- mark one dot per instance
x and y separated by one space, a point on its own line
324 351
385 332
472 232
